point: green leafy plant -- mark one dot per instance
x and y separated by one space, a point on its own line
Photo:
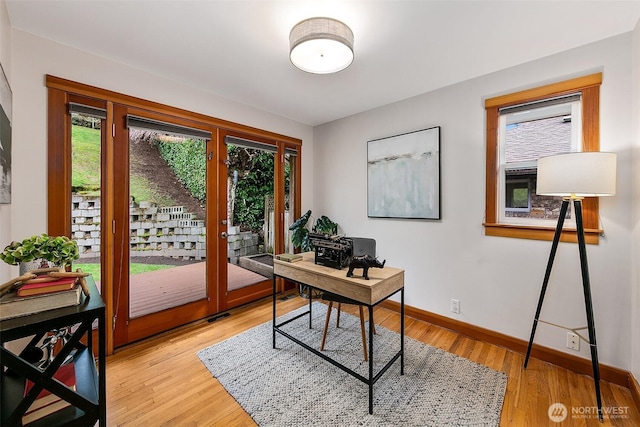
254 171
300 235
188 161
59 250
325 226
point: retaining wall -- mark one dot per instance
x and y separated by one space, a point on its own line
154 231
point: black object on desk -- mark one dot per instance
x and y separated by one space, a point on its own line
89 397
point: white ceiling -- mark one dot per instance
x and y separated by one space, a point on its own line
239 49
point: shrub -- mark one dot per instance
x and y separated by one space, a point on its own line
58 249
188 161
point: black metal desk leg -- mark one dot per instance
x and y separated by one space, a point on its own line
310 305
371 359
273 325
402 331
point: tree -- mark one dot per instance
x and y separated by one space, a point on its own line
249 180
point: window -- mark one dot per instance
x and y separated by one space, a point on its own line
527 132
522 127
518 196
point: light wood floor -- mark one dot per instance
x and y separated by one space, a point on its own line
161 381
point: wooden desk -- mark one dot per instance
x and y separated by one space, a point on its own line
382 284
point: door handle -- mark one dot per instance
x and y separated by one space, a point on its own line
223 234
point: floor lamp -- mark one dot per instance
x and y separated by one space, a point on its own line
574 176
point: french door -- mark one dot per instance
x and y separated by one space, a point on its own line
159 248
252 179
163 259
209 256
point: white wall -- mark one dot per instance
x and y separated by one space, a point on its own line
5 60
635 284
497 280
34 57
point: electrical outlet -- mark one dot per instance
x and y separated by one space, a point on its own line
455 306
573 341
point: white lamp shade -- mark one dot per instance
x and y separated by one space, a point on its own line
321 45
584 174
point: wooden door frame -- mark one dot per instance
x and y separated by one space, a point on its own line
128 330
230 299
60 92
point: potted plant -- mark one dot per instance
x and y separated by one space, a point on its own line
300 239
300 235
41 251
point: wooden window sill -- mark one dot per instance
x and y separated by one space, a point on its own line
591 236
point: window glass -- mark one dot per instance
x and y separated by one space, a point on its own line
526 133
518 197
86 189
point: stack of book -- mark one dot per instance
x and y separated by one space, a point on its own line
40 296
289 257
47 403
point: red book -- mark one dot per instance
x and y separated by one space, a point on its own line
66 374
46 403
62 284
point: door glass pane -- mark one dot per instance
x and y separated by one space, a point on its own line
250 216
167 212
289 199
85 192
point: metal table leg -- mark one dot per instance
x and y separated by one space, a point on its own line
273 324
371 360
402 332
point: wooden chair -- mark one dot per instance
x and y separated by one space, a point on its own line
333 298
361 246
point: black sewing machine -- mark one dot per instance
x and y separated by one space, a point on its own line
330 250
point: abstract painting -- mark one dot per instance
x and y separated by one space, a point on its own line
5 139
403 175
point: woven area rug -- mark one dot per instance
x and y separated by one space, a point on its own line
290 386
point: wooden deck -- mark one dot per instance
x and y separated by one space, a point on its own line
159 290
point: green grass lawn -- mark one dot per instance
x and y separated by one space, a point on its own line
94 268
85 176
85 156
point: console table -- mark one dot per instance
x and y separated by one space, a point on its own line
88 398
382 284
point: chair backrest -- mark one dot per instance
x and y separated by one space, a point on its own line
363 246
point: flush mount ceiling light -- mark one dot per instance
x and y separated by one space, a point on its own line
321 45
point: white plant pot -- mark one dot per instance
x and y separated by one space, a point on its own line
36 263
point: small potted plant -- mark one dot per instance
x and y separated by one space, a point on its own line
300 239
300 235
41 251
